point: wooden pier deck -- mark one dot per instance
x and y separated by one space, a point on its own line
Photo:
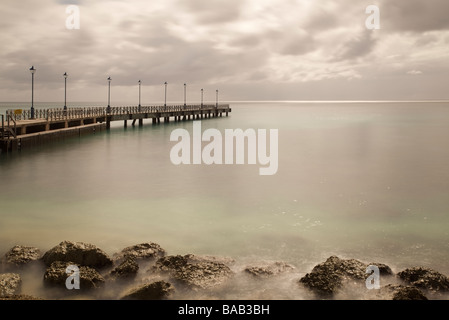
18 129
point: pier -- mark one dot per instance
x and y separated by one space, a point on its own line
21 129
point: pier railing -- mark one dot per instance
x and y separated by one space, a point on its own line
83 112
8 130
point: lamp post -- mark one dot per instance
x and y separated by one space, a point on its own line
108 110
216 104
32 70
65 75
165 100
140 82
202 92
185 86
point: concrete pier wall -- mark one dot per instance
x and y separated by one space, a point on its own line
40 138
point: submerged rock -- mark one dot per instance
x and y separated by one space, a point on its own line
425 278
56 276
321 282
400 292
141 251
409 293
194 272
20 255
327 277
10 284
154 291
81 253
269 270
126 270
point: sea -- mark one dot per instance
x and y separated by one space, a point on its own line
357 180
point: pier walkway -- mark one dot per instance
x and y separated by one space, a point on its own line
19 128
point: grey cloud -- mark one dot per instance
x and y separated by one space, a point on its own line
426 40
320 19
295 42
131 42
298 44
212 12
258 75
243 41
69 2
357 47
415 15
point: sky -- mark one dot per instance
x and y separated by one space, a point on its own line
246 49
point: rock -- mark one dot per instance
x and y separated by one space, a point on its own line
154 291
20 297
80 253
56 276
327 277
400 292
269 270
321 282
199 258
20 255
10 284
193 272
141 251
409 293
425 278
126 270
384 270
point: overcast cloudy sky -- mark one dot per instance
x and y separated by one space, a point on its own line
249 49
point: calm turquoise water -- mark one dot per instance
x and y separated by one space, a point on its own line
368 181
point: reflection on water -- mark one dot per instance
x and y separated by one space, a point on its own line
364 181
